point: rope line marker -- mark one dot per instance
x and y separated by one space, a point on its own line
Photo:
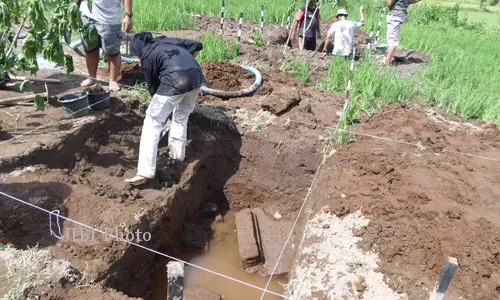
240 26
222 18
395 141
58 235
141 246
370 41
68 116
377 37
262 18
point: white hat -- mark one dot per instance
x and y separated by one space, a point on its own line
342 12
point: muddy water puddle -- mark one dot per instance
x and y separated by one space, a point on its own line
222 257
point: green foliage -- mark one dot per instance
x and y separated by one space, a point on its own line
463 76
298 67
90 34
371 88
39 103
216 48
149 17
138 92
11 295
428 14
258 38
494 2
51 18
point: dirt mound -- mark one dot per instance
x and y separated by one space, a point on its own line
225 76
84 180
130 74
279 36
424 204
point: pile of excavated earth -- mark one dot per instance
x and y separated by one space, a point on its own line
378 218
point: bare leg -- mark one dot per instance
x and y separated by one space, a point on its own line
390 53
92 59
114 69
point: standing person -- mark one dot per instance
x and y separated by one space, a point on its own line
396 17
307 39
106 17
342 33
174 78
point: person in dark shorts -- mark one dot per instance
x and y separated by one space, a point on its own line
174 80
310 17
105 17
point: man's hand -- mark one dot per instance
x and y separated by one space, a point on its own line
127 24
361 9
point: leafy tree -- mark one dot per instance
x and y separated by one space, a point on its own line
49 19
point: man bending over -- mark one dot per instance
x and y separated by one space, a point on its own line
174 79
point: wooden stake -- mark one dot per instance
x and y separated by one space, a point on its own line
222 18
377 37
35 79
175 270
22 98
450 267
240 27
262 18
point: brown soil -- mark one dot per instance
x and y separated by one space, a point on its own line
95 89
260 152
130 74
226 76
84 179
424 205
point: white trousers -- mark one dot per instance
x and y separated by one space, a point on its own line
156 115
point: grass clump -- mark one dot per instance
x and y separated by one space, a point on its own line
139 92
258 39
153 15
298 67
170 14
216 48
464 76
11 295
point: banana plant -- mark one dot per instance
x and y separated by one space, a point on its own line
64 17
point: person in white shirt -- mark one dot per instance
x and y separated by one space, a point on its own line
342 33
106 17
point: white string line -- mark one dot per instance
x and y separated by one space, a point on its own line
140 246
394 140
318 169
51 123
293 226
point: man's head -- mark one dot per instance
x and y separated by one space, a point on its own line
139 40
341 14
312 3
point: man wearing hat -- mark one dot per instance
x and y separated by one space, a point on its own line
342 33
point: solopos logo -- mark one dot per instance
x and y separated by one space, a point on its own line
89 235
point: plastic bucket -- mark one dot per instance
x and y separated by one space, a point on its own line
381 48
76 104
100 101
